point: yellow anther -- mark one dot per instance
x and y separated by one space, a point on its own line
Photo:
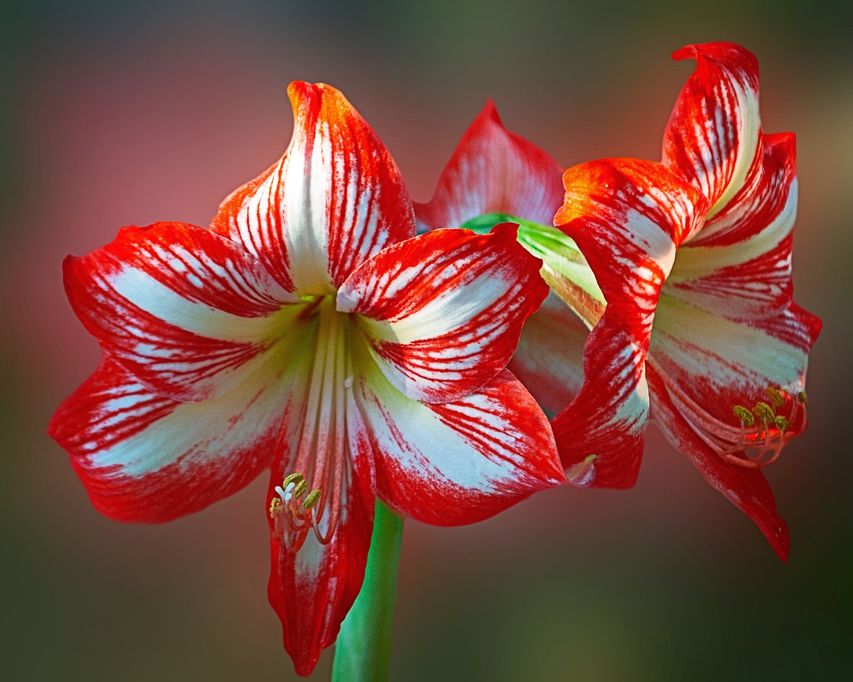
746 417
294 478
311 499
300 488
764 412
275 505
776 395
765 429
803 398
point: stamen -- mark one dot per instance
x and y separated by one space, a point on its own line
776 395
763 412
290 513
312 496
745 416
292 478
311 500
764 431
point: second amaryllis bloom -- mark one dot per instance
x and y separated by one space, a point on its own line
682 272
693 256
310 333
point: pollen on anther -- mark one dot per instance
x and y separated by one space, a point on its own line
744 415
765 429
763 411
292 478
311 499
776 396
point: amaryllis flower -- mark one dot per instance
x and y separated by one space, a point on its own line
685 282
693 256
310 333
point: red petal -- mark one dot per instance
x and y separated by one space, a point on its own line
747 489
463 461
713 132
600 434
549 358
493 171
725 328
144 457
739 264
628 218
313 589
444 311
333 200
187 311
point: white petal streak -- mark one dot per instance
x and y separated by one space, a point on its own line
462 461
145 292
308 176
690 342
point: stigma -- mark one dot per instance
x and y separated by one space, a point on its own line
297 510
765 428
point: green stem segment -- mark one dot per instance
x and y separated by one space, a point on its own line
363 649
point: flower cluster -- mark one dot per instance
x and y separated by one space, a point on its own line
312 331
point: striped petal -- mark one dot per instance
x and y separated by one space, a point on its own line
333 200
549 357
746 488
711 363
628 217
739 264
462 461
313 588
726 329
145 457
493 171
713 134
443 312
188 312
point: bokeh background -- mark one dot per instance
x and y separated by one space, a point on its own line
120 113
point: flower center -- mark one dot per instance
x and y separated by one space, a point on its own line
311 499
762 432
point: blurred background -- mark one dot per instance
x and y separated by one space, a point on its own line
119 113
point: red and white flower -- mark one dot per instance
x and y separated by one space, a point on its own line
693 256
683 276
309 332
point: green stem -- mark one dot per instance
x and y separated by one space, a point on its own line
363 649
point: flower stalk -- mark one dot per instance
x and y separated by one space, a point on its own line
363 647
